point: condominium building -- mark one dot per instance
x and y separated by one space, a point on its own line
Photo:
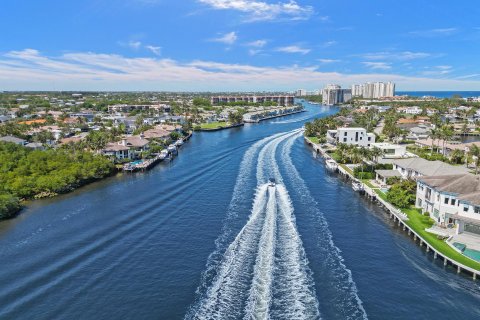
333 94
301 93
374 90
280 100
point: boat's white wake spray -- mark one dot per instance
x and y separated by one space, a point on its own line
263 272
347 300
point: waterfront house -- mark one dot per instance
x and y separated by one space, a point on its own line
117 151
391 150
451 200
13 139
413 168
351 136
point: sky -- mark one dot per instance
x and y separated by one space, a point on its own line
238 45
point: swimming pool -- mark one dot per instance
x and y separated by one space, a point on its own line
136 162
472 254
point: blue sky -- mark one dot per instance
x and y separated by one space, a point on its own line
216 45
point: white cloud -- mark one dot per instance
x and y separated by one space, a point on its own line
228 38
438 70
134 44
442 32
329 44
293 49
329 60
257 43
377 65
260 10
30 70
155 50
398 56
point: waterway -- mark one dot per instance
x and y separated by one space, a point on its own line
205 237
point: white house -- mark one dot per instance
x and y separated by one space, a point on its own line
451 199
391 150
413 168
354 136
412 110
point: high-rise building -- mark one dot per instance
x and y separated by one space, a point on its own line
334 94
301 93
374 90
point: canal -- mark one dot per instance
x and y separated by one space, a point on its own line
205 236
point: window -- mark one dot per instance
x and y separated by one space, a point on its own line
369 138
465 208
476 209
452 202
419 202
344 139
345 134
446 200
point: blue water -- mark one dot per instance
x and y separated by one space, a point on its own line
439 94
203 236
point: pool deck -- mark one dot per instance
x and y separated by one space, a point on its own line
472 241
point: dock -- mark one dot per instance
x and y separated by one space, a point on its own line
399 218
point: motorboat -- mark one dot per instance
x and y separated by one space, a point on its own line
331 164
179 142
172 148
357 186
271 182
163 154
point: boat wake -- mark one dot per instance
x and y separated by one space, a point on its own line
261 271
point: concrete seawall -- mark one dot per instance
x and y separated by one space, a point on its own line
400 218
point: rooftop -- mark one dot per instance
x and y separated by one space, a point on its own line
430 168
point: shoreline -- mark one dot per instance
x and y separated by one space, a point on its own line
399 217
276 116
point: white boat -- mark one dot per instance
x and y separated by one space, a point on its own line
271 182
179 142
163 154
172 148
331 164
357 186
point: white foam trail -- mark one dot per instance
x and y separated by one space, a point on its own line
267 166
240 196
225 296
294 291
348 301
259 299
296 120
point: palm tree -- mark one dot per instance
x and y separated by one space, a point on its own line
447 132
376 152
475 152
434 134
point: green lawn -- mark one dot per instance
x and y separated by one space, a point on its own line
214 125
367 182
314 140
419 223
344 166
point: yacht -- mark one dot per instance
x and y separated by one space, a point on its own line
357 186
179 142
163 154
172 148
331 164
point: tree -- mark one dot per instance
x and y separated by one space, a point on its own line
403 193
475 152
